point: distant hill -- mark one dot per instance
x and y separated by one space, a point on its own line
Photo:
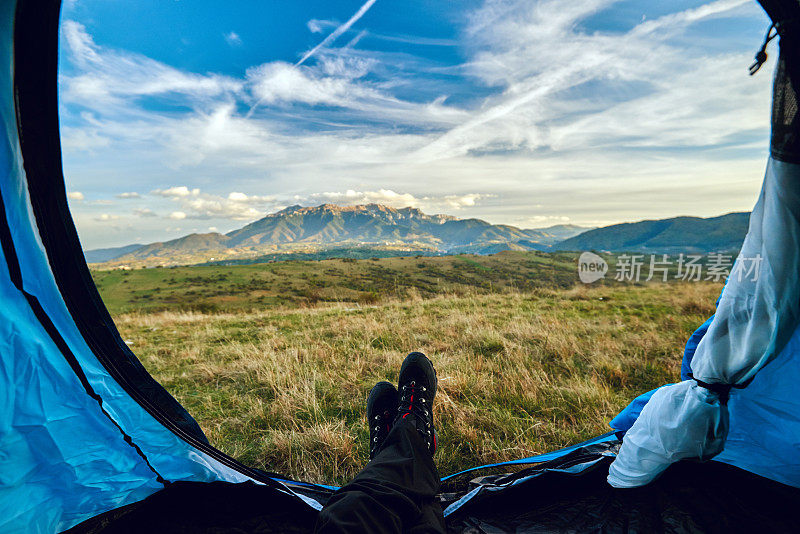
678 234
374 230
347 253
190 244
561 232
308 230
374 223
99 255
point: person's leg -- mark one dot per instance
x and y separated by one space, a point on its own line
430 521
393 493
396 491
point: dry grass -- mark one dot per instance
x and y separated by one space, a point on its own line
520 373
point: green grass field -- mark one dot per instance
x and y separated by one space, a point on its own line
275 360
302 283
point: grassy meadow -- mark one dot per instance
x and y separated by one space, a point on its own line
275 361
307 283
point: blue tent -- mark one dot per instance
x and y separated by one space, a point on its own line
89 442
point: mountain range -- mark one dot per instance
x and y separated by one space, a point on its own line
375 227
678 234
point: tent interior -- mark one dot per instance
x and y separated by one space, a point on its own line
90 442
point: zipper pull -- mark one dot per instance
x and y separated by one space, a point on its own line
761 55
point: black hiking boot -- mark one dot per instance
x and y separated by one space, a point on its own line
381 411
417 387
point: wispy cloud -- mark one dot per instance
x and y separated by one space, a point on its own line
516 51
82 139
413 39
233 39
335 34
108 77
546 117
279 82
319 26
144 212
284 77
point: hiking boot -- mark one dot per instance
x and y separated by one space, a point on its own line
381 411
417 387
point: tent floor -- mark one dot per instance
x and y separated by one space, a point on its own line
709 497
206 507
566 495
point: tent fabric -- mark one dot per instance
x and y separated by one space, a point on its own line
624 420
785 139
756 317
573 496
568 494
72 300
759 309
764 434
85 429
679 421
691 348
206 508
757 314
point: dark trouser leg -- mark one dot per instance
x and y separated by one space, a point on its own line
395 492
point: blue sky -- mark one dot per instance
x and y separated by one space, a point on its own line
181 116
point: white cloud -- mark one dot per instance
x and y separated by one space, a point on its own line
280 82
235 196
396 200
316 25
195 204
342 79
233 39
176 192
214 127
459 201
108 77
128 195
75 195
144 212
542 221
590 124
382 196
84 139
217 208
213 229
105 217
513 43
